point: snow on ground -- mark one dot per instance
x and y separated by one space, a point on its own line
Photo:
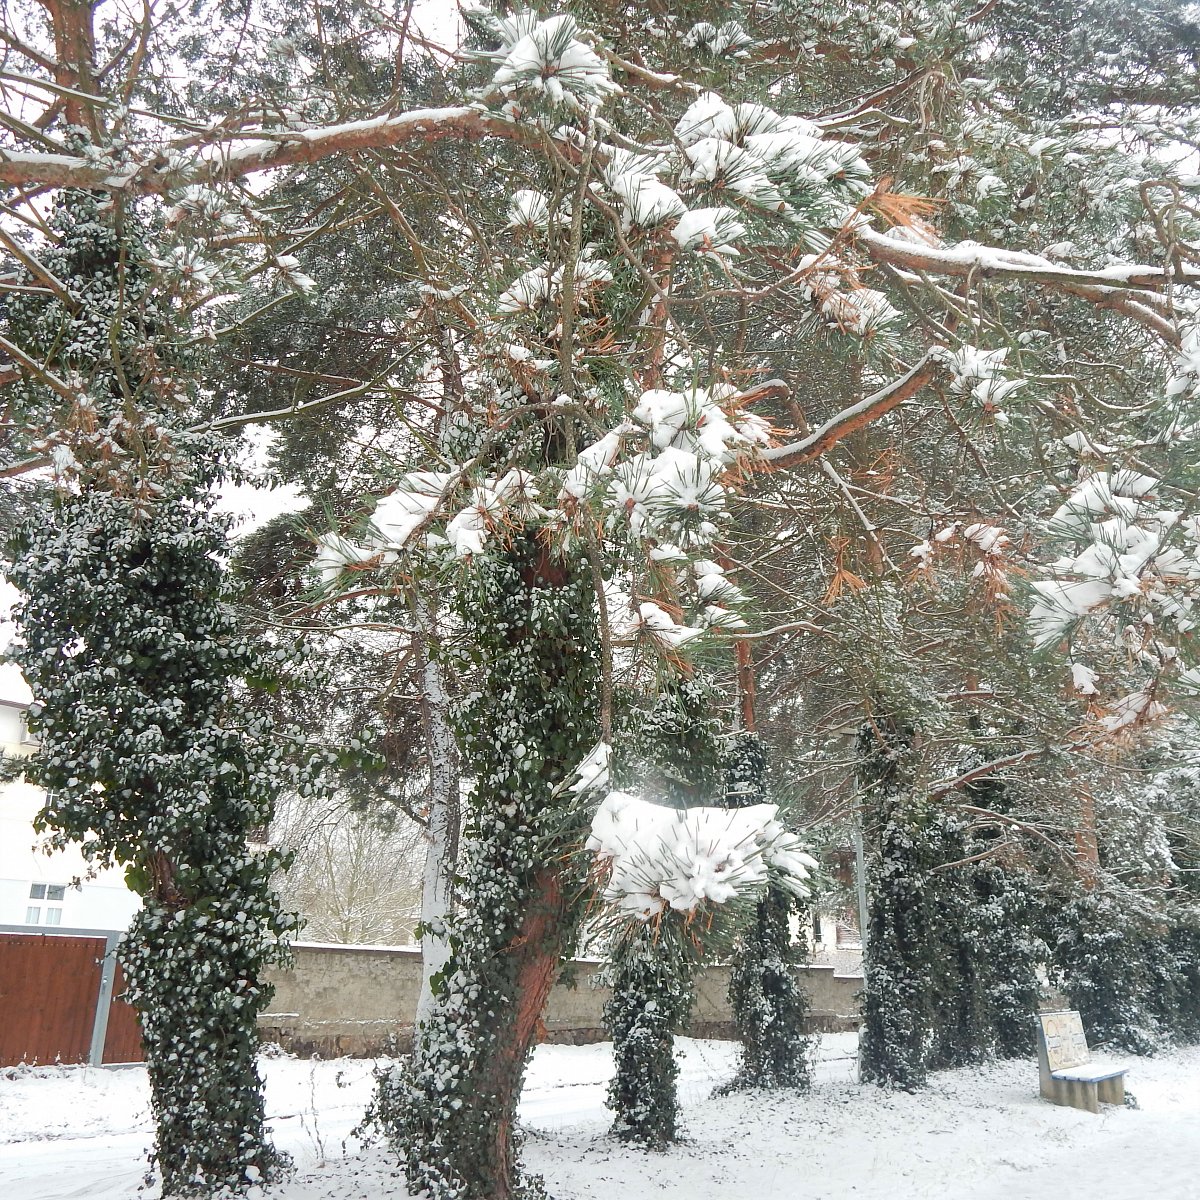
975 1134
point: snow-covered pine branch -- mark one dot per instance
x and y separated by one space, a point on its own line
653 857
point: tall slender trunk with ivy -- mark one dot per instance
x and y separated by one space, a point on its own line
951 955
450 1110
652 997
770 1006
1001 914
900 966
962 936
1013 950
669 752
131 646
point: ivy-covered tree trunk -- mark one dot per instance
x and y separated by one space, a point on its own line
450 1110
960 939
670 751
951 955
770 1006
996 904
130 644
1011 951
130 648
1104 962
900 963
651 1001
1184 948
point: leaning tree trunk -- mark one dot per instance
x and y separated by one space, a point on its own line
450 1110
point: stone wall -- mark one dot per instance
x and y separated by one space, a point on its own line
360 1000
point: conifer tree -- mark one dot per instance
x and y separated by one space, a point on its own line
695 238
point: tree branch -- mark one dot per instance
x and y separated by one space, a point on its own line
260 150
822 440
1129 288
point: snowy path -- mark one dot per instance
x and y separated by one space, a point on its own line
974 1135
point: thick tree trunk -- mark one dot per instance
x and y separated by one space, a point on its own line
527 722
537 951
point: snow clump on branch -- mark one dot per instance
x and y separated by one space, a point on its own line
547 57
646 200
673 485
775 162
1128 586
658 858
979 374
729 39
543 285
1124 554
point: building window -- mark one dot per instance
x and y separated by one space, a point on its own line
45 891
27 738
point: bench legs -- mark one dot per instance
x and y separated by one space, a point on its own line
1085 1094
1072 1093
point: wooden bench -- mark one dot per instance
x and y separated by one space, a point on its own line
1068 1075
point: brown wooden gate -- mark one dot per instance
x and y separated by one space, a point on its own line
49 989
123 1038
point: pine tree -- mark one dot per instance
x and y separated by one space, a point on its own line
634 289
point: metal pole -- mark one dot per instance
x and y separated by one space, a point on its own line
108 971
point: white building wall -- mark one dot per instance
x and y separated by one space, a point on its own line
99 902
12 728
